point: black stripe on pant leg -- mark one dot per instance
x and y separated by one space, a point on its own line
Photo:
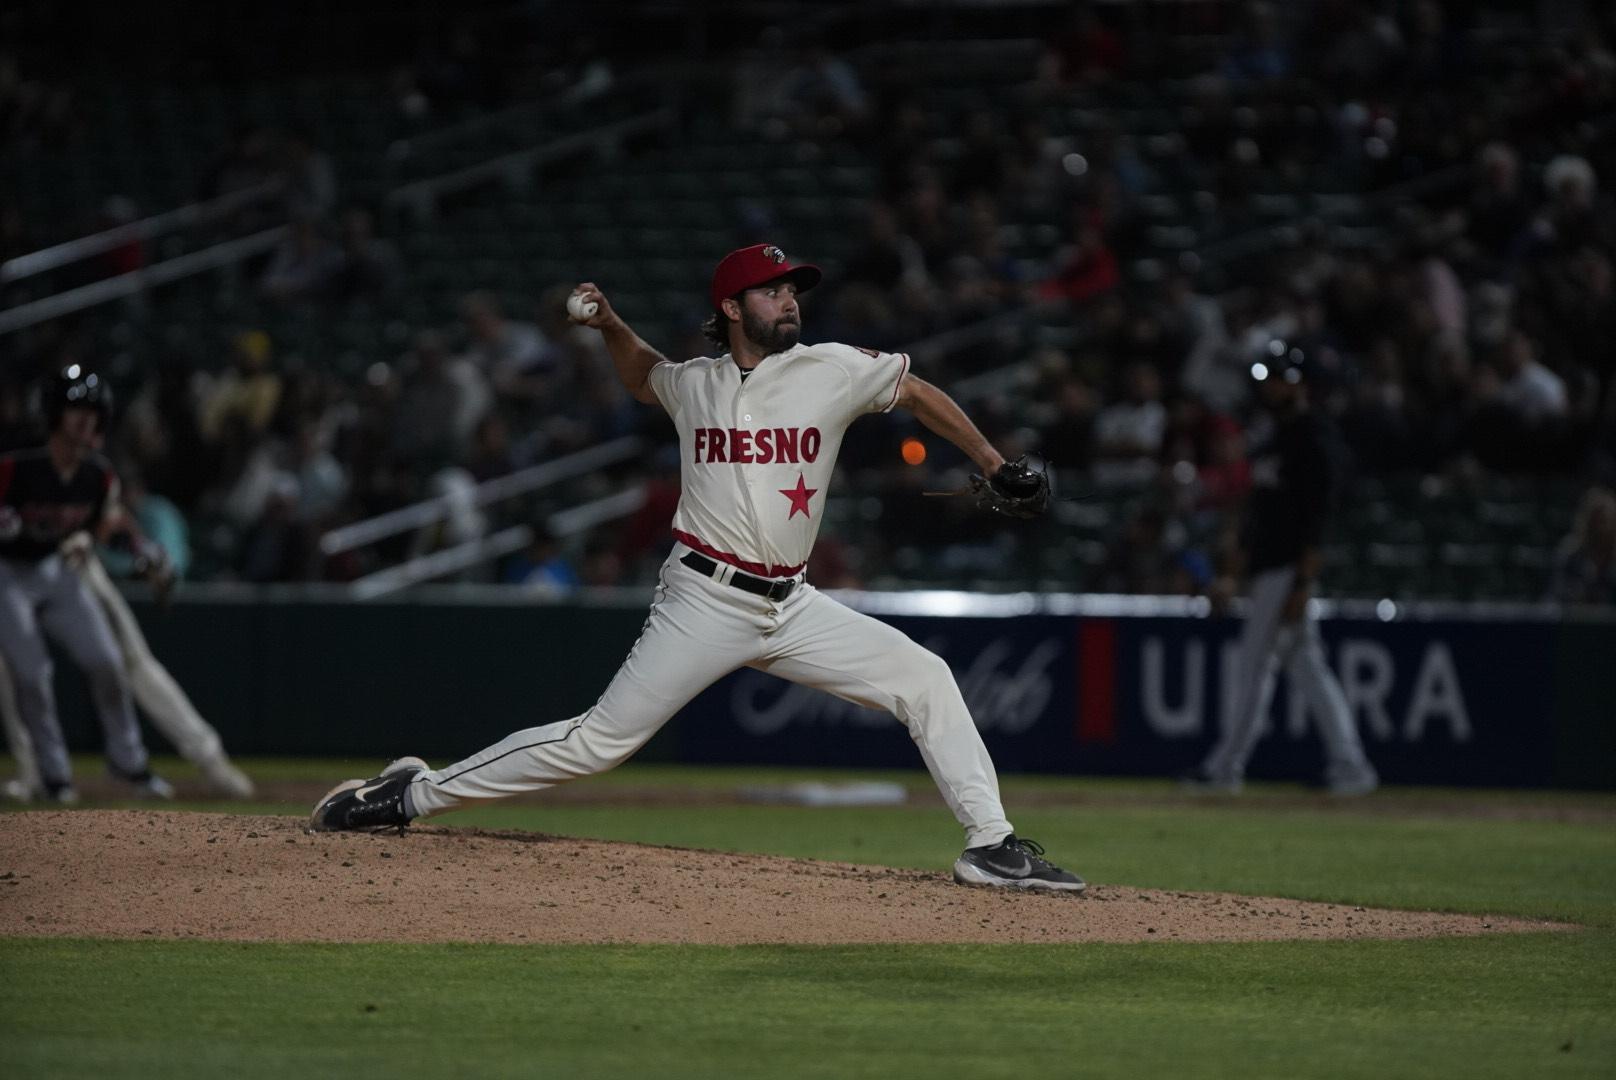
662 591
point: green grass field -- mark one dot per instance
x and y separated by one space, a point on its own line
1505 1006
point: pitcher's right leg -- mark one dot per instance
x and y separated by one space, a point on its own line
694 635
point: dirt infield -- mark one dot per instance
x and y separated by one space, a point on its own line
133 874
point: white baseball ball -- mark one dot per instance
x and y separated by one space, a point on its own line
579 308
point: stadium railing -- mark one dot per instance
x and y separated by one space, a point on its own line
420 196
489 493
516 169
227 253
150 228
473 553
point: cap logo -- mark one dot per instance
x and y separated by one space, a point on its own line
774 254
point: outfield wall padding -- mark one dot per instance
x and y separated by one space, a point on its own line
1527 701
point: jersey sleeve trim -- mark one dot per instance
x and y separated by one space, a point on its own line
670 375
897 385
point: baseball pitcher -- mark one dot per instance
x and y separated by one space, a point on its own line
759 429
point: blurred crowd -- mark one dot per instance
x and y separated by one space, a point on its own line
1459 331
262 457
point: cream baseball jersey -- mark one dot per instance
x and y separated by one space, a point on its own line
757 453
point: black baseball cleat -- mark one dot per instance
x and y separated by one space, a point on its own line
1014 864
61 794
144 784
368 805
1203 781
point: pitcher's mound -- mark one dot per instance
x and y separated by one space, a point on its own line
131 874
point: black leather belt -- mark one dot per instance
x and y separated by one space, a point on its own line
774 590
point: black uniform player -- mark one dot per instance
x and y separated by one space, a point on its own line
46 495
1292 477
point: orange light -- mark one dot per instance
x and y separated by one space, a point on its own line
914 451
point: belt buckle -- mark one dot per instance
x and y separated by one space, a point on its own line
784 589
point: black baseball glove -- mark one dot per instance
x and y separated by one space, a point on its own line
1015 490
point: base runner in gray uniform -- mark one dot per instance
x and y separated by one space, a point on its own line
759 429
157 693
46 495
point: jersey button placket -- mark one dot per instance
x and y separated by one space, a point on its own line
748 476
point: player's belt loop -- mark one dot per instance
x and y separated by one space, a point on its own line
777 591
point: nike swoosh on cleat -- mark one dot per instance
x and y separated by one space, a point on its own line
1024 869
359 795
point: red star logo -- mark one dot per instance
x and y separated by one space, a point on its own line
799 497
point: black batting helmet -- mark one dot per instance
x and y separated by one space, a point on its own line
77 387
1281 361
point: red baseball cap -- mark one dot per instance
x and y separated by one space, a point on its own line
757 265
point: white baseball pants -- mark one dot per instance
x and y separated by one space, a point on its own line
700 629
1265 644
159 696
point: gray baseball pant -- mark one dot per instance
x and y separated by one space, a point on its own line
1265 644
48 598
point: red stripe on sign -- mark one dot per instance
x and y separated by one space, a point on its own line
1096 720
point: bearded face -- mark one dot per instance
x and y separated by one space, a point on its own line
770 319
771 335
